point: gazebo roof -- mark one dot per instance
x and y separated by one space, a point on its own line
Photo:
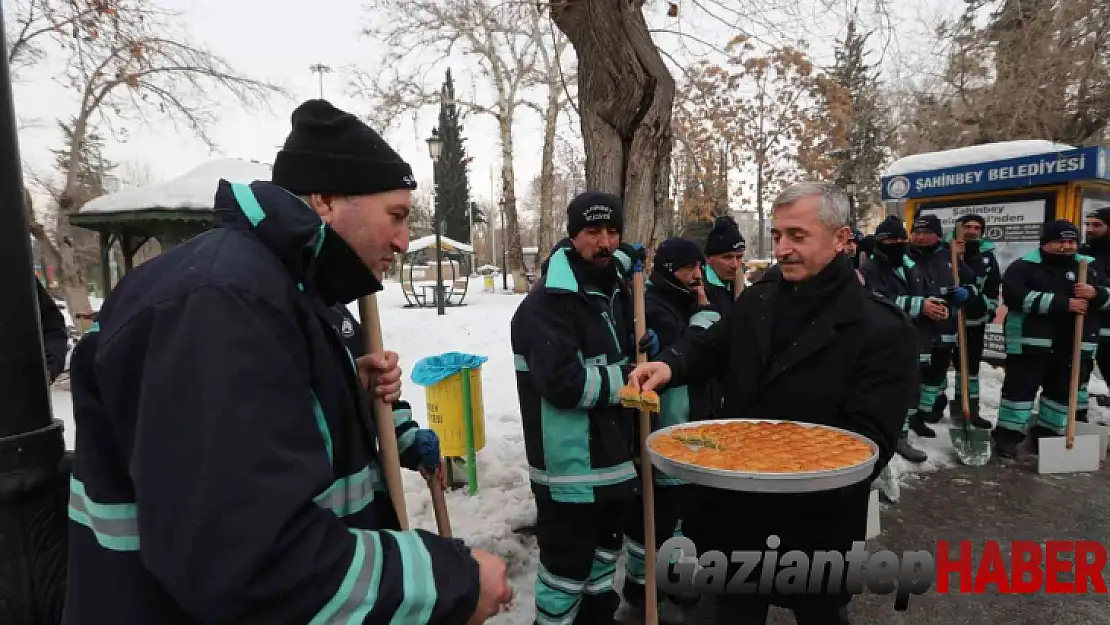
186 198
448 245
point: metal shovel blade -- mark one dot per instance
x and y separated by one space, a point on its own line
1054 456
972 444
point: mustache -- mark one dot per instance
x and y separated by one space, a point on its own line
790 260
603 253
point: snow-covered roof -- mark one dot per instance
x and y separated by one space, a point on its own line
973 155
430 242
192 191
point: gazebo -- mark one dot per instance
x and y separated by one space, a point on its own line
168 212
418 286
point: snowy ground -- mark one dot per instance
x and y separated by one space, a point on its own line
504 502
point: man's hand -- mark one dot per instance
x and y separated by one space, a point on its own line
699 290
935 310
1077 306
384 371
649 376
494 593
1085 291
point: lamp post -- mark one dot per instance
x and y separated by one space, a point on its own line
851 189
34 480
435 149
320 69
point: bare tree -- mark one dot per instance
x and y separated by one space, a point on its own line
126 65
33 22
497 35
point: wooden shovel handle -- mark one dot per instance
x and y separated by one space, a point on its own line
651 606
961 333
1076 354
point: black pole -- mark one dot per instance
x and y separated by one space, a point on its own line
439 252
504 271
33 466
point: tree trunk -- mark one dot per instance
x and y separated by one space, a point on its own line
513 250
625 95
547 172
761 247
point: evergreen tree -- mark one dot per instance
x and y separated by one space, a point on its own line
92 166
861 134
452 181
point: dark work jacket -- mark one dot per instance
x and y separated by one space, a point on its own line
935 266
905 288
573 346
718 290
980 309
224 468
854 366
1036 296
55 337
1100 252
673 313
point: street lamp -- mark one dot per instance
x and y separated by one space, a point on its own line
435 149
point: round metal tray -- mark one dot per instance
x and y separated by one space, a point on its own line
755 482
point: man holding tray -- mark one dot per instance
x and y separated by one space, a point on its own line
812 345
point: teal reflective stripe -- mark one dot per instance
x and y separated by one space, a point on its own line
560 276
566 443
114 525
706 318
406 440
616 382
624 260
248 204
358 591
1038 300
323 232
1052 414
351 494
634 563
972 387
557 598
401 416
1104 331
418 582
1046 302
579 488
1088 347
322 424
520 363
95 327
913 305
1106 304
591 387
601 573
712 278
924 358
948 338
911 413
1014 415
928 397
674 406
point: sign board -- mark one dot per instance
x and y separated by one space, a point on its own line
1092 163
1015 230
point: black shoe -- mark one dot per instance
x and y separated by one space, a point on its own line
1006 442
939 406
917 424
1103 400
909 452
981 423
1035 435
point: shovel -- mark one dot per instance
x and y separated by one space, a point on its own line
738 283
387 436
1071 453
972 444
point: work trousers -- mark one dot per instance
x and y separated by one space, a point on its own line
579 544
1102 357
925 360
975 338
933 375
668 506
1051 374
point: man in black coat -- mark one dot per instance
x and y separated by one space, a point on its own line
979 310
812 346
1097 246
55 337
724 254
225 469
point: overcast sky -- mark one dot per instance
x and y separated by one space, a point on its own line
278 40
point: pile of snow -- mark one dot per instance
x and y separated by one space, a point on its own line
192 191
504 502
973 155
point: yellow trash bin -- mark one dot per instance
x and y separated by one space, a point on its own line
445 413
487 284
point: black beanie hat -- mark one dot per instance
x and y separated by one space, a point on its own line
676 253
594 208
725 237
891 228
930 223
1101 214
963 219
857 236
331 151
1059 230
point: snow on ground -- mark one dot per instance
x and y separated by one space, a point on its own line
504 501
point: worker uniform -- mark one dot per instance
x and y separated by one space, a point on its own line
1099 250
979 311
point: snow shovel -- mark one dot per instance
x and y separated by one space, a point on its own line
387 436
738 282
972 444
1071 453
651 605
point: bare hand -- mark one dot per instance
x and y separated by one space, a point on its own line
494 590
699 290
1077 306
384 371
935 310
960 247
649 376
1084 291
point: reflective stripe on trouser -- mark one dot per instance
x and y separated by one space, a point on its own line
579 545
972 388
934 378
668 505
1051 374
910 414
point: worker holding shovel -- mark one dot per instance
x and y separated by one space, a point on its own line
1042 297
224 468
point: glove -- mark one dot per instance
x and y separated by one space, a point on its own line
426 446
631 255
649 344
956 295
